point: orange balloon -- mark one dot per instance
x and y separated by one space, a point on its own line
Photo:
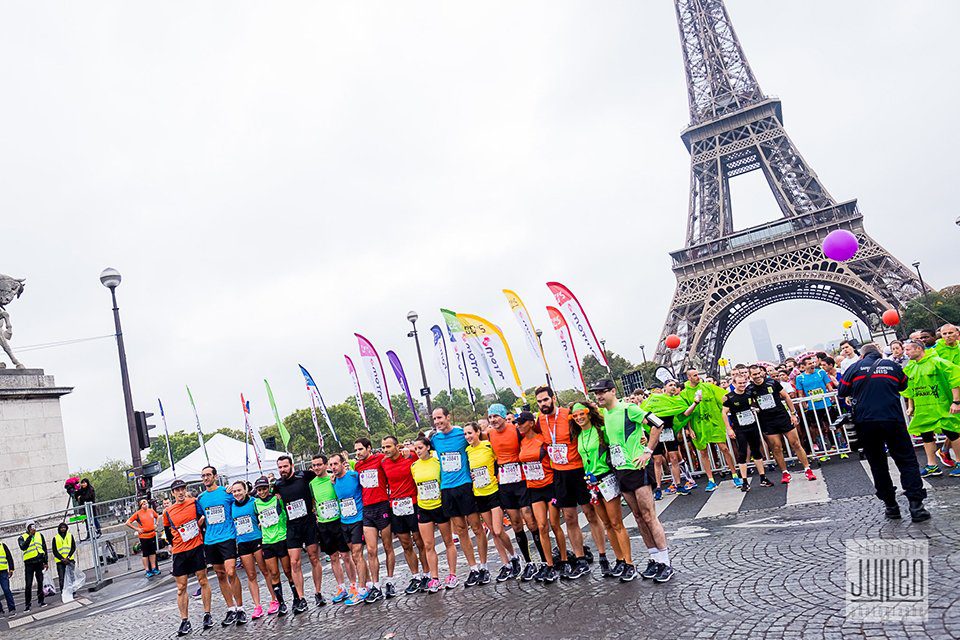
672 341
891 318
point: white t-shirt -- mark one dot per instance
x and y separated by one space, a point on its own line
846 364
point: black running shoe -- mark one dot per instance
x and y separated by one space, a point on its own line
424 583
413 587
605 568
484 576
629 573
664 573
566 571
207 621
529 572
473 579
651 571
588 554
375 595
185 628
550 575
765 483
390 591
504 573
242 617
580 568
319 600
299 606
282 610
542 570
618 569
515 569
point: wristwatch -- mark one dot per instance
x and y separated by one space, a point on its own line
955 402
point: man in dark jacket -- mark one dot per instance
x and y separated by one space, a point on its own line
6 570
873 385
34 549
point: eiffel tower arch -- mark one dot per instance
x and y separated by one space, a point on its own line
724 275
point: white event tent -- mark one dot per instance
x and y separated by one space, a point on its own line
227 455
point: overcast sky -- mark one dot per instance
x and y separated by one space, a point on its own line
271 177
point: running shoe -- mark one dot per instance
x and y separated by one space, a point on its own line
390 591
653 567
374 595
282 611
299 606
340 595
433 585
550 575
711 487
242 617
580 568
954 473
945 459
504 574
196 593
451 582
844 456
664 574
424 583
319 600
671 490
690 485
618 569
148 574
566 571
542 570
207 621
764 482
738 482
529 572
355 598
605 568
185 628
824 458
809 473
273 607
786 478
515 569
629 573
473 579
683 491
257 613
484 576
413 587
658 494
229 619
744 486
930 470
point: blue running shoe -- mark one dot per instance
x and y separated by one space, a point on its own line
356 598
738 482
340 596
711 487
954 473
683 491
930 470
658 494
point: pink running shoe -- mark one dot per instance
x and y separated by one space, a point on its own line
273 608
257 612
786 478
451 582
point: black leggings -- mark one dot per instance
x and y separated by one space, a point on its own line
748 438
930 436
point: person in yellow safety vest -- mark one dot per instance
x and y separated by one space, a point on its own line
64 550
6 570
34 549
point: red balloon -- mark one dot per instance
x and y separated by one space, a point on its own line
672 341
890 317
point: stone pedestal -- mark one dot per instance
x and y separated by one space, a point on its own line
33 454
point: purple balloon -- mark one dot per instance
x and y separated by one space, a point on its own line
840 245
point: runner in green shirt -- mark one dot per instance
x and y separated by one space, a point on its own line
948 348
706 423
933 402
273 527
330 535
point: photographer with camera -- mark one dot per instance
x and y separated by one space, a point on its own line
873 385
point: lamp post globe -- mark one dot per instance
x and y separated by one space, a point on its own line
110 278
425 391
412 316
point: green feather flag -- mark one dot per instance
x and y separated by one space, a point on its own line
284 434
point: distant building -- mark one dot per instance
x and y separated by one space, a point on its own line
761 341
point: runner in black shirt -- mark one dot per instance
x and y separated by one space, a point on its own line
742 427
778 420
293 487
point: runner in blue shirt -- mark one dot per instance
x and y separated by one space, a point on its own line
220 542
813 383
249 541
346 484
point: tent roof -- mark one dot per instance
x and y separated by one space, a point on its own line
228 455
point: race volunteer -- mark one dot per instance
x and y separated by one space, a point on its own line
330 536
376 518
34 549
293 487
181 527
144 522
403 510
6 570
220 542
64 551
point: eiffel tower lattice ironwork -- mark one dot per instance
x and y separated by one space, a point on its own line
724 275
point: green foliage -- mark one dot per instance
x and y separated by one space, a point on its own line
931 310
109 480
593 370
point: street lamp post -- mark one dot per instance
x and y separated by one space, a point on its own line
540 342
425 391
110 278
923 287
643 353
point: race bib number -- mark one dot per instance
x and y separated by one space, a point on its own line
329 509
510 473
609 488
481 477
296 509
189 530
766 402
617 456
451 461
429 490
557 453
667 435
746 417
533 471
269 518
816 394
215 514
348 507
402 507
369 478
244 525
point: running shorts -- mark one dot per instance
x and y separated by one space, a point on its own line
436 516
633 479
514 495
301 532
570 488
248 547
458 501
148 547
404 524
275 549
330 537
377 515
542 494
219 552
931 436
776 426
748 438
671 445
487 503
189 562
353 532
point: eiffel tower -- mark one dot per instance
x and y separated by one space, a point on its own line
724 275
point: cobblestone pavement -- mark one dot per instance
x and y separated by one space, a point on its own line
769 573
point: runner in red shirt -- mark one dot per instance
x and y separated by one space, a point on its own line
403 512
376 518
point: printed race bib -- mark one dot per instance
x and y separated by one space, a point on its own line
617 456
348 507
369 478
189 530
429 490
402 507
816 394
215 514
667 435
609 488
270 517
481 477
510 473
557 453
451 461
296 509
746 417
329 509
533 471
244 525
766 401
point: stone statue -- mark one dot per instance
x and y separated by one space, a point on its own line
10 289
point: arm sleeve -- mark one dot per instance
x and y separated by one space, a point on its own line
9 556
22 543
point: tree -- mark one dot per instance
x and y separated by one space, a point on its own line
931 310
109 480
593 370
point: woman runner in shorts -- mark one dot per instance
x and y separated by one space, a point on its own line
486 491
587 429
539 477
426 475
249 540
272 517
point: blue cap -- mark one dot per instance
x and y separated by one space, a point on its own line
497 409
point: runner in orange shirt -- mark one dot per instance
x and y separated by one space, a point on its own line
144 522
539 476
182 529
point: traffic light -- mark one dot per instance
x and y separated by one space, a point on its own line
143 429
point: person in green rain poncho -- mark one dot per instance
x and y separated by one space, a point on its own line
933 403
675 412
706 423
948 348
